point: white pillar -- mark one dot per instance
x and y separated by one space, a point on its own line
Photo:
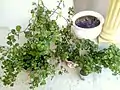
111 27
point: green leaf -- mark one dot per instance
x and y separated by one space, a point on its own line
18 28
13 31
9 43
33 3
17 44
11 38
28 34
32 11
12 84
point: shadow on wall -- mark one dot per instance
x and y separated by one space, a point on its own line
100 6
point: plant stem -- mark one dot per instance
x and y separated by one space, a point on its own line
56 8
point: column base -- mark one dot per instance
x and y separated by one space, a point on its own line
106 38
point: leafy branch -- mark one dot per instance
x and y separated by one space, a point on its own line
37 56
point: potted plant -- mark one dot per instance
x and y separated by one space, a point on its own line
35 56
93 60
87 24
38 58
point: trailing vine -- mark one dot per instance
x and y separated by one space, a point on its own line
37 56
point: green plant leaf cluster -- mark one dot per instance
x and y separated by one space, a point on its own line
87 55
37 55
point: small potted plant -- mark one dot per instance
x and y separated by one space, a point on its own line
87 24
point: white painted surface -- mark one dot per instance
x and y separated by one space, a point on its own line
100 6
17 12
13 12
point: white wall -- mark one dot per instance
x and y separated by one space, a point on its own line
100 6
14 12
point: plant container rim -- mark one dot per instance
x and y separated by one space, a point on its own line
88 13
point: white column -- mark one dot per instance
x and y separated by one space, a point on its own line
112 23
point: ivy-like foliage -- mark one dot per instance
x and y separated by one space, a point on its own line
36 55
86 54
